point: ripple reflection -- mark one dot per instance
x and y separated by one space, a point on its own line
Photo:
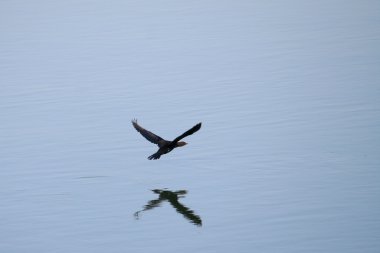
172 197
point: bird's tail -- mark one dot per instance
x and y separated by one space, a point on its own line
155 156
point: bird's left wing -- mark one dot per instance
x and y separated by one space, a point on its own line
147 134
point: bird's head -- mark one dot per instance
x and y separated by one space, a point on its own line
181 144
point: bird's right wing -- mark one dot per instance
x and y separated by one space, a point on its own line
188 132
186 212
147 134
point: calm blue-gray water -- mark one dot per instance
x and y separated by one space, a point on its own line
287 159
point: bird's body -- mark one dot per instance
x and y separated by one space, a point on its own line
165 146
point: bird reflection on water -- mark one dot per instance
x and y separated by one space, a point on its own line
172 197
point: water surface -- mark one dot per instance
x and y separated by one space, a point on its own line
287 159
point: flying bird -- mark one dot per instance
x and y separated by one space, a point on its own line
164 145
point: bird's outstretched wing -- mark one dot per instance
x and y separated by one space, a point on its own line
147 134
186 212
188 132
